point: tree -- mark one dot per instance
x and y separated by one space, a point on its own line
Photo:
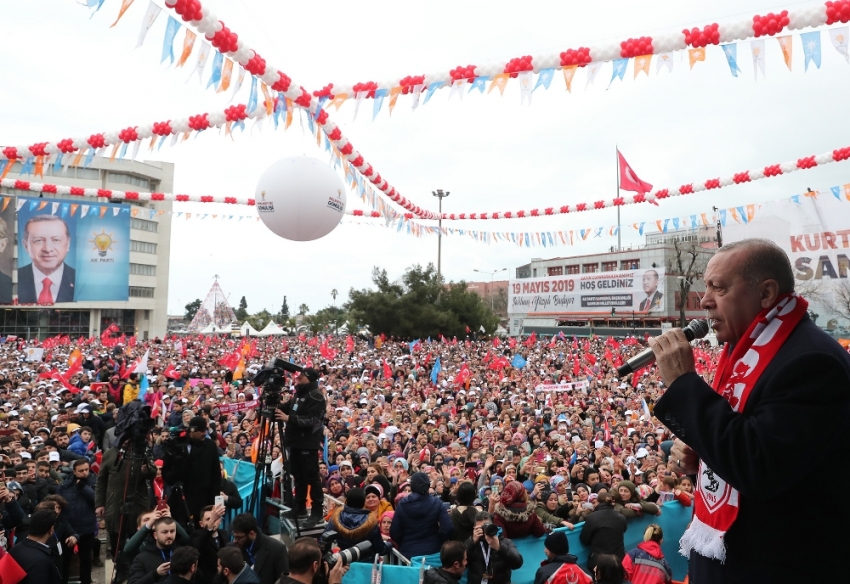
500 302
688 265
835 297
260 320
284 310
192 308
303 309
415 308
242 312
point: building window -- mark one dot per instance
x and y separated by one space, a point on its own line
142 270
129 179
589 268
142 246
144 225
534 272
574 269
556 271
609 266
630 265
141 292
87 173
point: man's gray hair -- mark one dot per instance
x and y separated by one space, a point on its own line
764 260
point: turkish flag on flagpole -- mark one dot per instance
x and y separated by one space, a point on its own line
629 181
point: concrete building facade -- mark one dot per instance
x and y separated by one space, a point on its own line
144 314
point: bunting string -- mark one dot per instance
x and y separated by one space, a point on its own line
694 39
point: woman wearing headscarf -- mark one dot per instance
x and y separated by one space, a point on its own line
629 503
515 514
375 502
420 524
546 509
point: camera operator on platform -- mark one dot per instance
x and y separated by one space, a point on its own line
305 415
193 463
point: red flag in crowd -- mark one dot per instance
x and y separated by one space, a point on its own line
592 358
512 343
496 342
467 329
388 373
552 342
170 372
463 375
10 571
607 431
312 342
349 344
576 367
532 338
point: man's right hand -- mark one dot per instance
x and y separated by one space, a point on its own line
337 572
477 534
163 568
100 511
684 457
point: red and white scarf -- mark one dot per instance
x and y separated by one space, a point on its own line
716 501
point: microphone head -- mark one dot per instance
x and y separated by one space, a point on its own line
699 328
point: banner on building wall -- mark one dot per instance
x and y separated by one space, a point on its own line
813 229
71 252
639 291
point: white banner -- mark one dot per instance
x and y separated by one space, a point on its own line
639 291
562 386
34 353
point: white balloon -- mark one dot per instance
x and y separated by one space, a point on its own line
300 198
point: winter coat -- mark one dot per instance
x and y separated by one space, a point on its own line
109 492
77 446
354 526
518 521
35 560
464 522
504 560
420 525
439 576
80 508
603 534
143 568
383 507
545 515
646 565
565 562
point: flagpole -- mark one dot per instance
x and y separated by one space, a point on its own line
617 151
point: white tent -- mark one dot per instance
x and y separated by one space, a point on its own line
246 329
271 329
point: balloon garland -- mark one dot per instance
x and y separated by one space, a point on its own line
770 24
229 44
805 163
772 170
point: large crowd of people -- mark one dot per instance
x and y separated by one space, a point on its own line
449 446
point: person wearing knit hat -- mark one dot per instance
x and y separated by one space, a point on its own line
384 525
559 561
420 524
375 502
515 515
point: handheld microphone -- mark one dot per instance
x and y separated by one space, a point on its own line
696 329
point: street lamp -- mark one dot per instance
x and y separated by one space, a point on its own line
493 273
440 195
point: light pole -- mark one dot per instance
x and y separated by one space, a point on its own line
440 195
493 273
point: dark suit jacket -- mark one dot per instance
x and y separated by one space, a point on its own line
645 304
796 416
35 559
271 560
5 289
27 293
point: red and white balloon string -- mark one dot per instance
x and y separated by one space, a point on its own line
805 163
770 24
745 176
228 43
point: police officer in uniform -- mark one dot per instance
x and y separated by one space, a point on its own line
305 417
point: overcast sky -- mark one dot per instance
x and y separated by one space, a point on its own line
66 75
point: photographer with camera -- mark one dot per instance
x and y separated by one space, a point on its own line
306 563
191 467
490 555
305 417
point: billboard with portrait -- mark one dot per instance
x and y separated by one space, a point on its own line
72 252
7 247
638 291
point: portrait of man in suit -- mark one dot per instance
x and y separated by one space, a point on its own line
5 279
652 301
48 279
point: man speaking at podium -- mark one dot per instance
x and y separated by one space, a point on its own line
780 398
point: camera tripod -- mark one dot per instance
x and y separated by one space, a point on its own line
270 428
